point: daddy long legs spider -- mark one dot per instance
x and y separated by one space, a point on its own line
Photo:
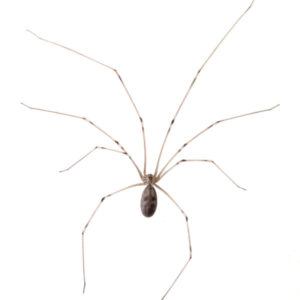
150 181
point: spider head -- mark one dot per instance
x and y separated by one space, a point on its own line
149 179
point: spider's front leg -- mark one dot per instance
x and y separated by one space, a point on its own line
194 80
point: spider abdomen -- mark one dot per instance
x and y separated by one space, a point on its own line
149 201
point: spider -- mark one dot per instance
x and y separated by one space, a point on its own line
149 196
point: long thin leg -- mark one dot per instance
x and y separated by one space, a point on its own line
209 127
89 221
194 80
86 155
120 78
93 124
189 240
202 160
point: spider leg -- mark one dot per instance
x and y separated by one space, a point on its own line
209 127
120 78
189 239
86 155
89 221
94 125
194 80
202 160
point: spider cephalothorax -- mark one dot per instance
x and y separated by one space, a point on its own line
149 196
150 179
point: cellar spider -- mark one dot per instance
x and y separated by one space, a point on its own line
149 196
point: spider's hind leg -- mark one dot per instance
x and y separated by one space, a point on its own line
90 219
189 240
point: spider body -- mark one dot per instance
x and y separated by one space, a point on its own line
149 196
149 201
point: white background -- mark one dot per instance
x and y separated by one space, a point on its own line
246 245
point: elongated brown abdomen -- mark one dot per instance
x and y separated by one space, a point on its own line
149 201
